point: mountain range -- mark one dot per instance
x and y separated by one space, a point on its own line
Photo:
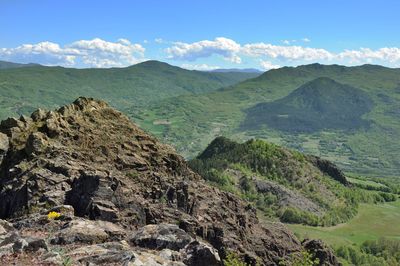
349 115
308 147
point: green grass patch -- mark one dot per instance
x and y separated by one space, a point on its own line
372 222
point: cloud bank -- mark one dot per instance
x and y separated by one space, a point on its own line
86 53
270 55
202 55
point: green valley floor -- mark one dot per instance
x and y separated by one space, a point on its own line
372 222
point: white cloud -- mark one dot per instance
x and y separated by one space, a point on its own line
221 46
87 53
101 53
267 65
286 52
366 55
202 67
159 40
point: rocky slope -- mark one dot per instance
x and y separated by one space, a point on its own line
278 180
84 186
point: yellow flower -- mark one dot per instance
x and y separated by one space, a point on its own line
53 215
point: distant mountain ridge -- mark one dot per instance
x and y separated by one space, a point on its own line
24 89
8 65
369 149
240 70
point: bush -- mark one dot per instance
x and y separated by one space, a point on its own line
292 215
233 260
372 252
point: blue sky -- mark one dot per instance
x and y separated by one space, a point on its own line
200 34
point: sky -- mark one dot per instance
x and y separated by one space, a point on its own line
201 35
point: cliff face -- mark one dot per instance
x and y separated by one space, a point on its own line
122 197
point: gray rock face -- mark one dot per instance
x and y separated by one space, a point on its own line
320 251
87 231
287 197
198 254
4 145
161 236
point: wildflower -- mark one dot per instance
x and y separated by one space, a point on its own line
53 215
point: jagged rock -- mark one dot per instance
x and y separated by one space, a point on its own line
4 145
36 143
5 227
11 122
104 254
38 115
321 251
88 232
161 236
13 242
35 244
198 254
93 158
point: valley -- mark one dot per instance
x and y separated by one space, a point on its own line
312 147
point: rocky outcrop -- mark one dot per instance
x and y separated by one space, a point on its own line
329 168
287 197
4 145
134 200
320 251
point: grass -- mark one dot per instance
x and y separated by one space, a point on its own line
372 222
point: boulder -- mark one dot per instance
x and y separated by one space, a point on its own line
5 227
4 145
86 231
161 236
198 254
117 253
36 143
321 251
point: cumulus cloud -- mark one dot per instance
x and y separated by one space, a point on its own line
386 54
86 53
224 47
288 54
202 67
267 65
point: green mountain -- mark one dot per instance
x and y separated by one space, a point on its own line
320 104
363 136
282 183
309 194
25 89
6 65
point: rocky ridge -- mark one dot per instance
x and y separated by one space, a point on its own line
120 198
